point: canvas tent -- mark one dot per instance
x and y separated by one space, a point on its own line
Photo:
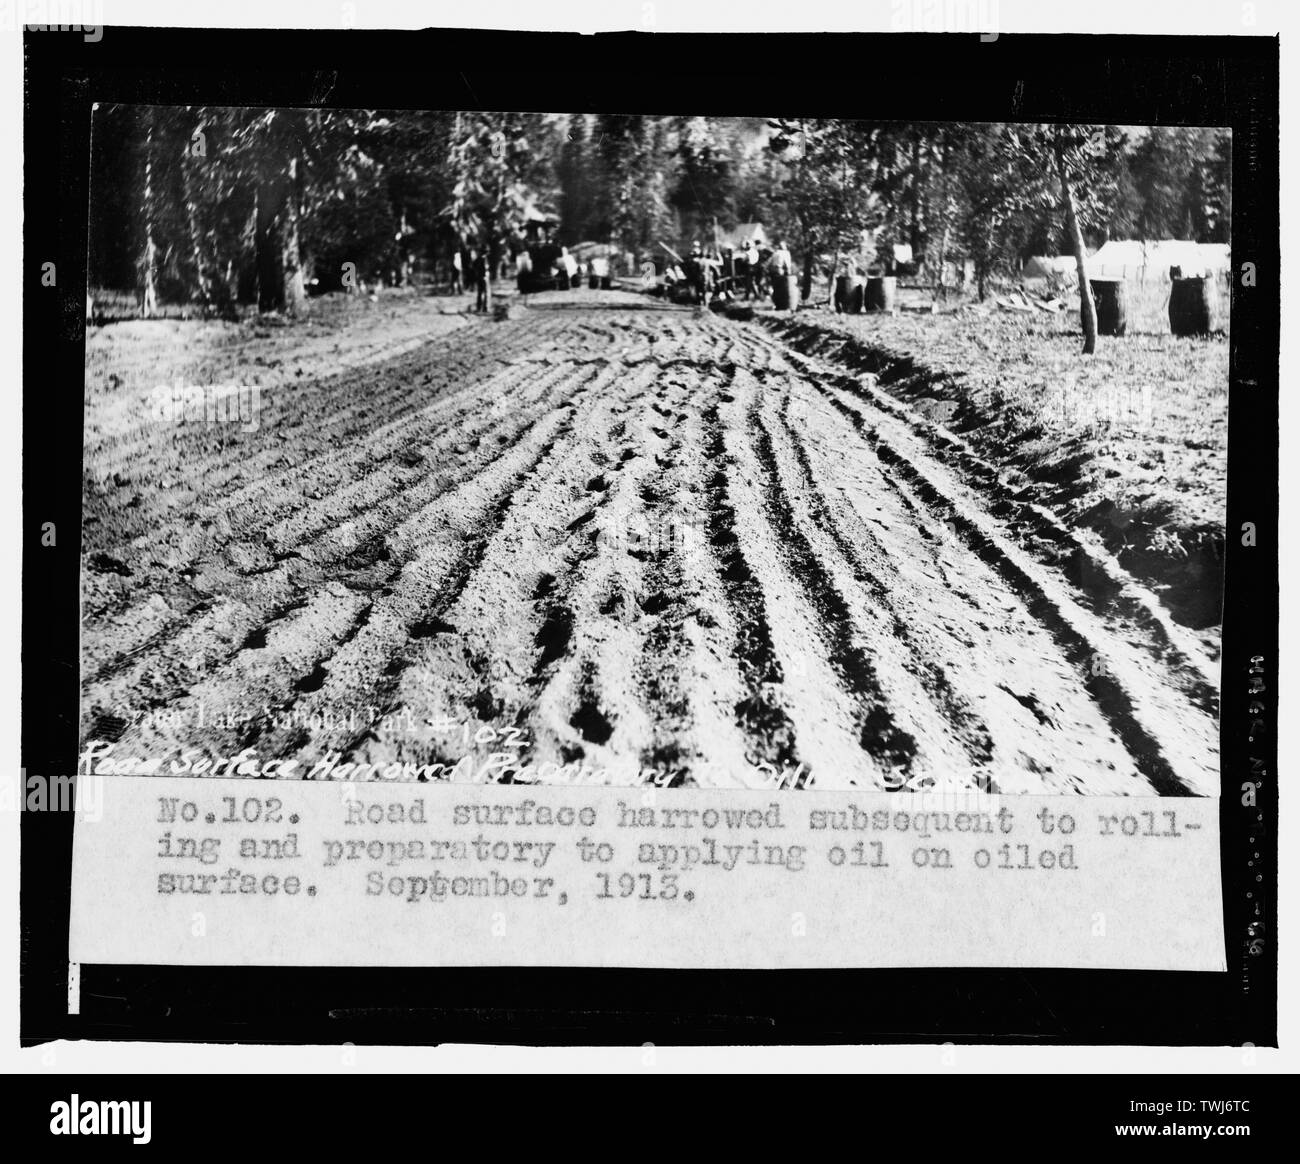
1130 259
1047 266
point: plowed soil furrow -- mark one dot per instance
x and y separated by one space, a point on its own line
476 488
387 486
1126 685
508 636
368 517
1103 586
297 435
256 673
387 482
922 646
879 716
610 539
797 703
669 593
314 408
1047 732
442 545
897 638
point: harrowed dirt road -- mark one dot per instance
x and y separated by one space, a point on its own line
623 533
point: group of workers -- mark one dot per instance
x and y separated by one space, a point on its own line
727 271
562 269
733 273
479 271
566 270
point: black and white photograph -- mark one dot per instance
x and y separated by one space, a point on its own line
659 540
733 452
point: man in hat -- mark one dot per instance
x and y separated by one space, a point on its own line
779 267
753 276
697 272
479 270
568 269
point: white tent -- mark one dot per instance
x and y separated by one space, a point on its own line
1130 259
1045 266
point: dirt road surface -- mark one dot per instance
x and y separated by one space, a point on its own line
620 533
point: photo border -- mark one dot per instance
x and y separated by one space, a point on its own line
1129 80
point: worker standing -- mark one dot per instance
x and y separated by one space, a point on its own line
479 272
727 272
697 272
457 273
568 269
753 276
779 268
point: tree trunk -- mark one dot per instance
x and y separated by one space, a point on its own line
1088 309
490 250
295 290
805 284
230 284
196 235
914 235
148 277
280 285
941 290
270 286
403 253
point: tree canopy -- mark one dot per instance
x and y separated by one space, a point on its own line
221 206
